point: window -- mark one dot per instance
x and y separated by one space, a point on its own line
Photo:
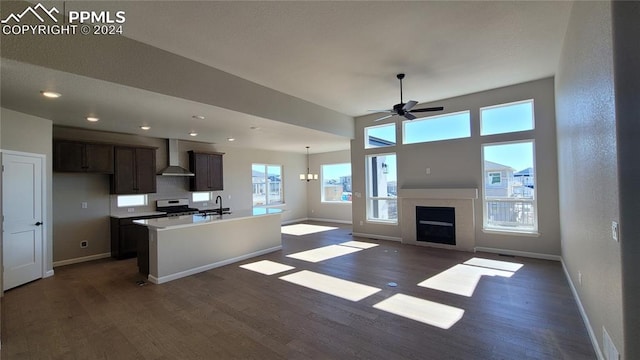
267 184
200 196
506 118
434 128
336 183
509 187
380 136
382 188
131 200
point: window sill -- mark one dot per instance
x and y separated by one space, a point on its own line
511 232
270 206
336 202
382 222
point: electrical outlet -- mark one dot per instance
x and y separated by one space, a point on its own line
428 171
361 222
84 244
131 210
615 231
580 278
205 204
84 204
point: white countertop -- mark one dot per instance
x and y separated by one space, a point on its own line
175 222
137 214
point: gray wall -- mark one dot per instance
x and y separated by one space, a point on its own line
338 212
72 224
26 133
457 164
587 162
626 55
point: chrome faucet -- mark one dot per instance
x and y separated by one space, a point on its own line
219 198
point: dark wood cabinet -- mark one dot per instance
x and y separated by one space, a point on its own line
74 156
127 238
207 168
134 170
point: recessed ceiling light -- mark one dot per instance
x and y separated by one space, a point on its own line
92 118
193 133
145 127
50 94
199 117
231 139
254 128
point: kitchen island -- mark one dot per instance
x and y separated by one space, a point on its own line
185 245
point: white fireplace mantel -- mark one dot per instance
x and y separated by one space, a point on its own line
439 193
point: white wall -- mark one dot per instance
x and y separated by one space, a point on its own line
317 210
587 161
26 133
457 164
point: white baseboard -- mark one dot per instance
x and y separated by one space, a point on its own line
378 237
518 253
331 221
48 273
81 259
583 313
293 221
199 269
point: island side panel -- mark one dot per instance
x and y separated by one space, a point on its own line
188 250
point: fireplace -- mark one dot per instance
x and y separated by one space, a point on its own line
436 224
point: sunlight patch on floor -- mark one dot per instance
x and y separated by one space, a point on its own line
424 311
267 267
461 279
331 285
359 244
323 253
494 264
305 229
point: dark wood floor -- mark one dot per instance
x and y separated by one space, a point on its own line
96 310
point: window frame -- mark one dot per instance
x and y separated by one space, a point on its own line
533 116
369 198
267 183
485 200
322 185
428 118
366 137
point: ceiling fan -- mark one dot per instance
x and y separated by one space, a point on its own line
405 109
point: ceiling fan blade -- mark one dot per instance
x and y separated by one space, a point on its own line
437 108
384 111
384 117
409 116
409 105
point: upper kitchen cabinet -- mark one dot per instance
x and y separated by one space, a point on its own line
134 170
207 168
74 156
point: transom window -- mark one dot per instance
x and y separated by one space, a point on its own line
336 183
131 200
380 136
507 118
509 189
382 188
201 196
267 184
435 128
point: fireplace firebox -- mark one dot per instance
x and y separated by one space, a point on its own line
436 224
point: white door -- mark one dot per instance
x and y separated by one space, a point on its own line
22 226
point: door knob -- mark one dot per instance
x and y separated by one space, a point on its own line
38 223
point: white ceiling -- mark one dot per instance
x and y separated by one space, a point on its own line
339 55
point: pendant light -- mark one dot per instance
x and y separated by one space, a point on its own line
308 176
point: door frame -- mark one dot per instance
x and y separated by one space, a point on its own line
46 257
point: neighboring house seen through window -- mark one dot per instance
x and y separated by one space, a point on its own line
382 188
336 183
509 191
267 184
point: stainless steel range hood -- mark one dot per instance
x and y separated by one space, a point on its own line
174 168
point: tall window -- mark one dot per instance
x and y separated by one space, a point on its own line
336 183
267 184
382 188
435 128
509 185
380 136
506 118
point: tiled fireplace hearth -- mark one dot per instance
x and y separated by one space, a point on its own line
462 200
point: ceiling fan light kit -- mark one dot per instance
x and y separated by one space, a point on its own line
405 109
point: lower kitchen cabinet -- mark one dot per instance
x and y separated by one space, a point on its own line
126 236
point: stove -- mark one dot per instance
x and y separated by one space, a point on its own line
175 207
